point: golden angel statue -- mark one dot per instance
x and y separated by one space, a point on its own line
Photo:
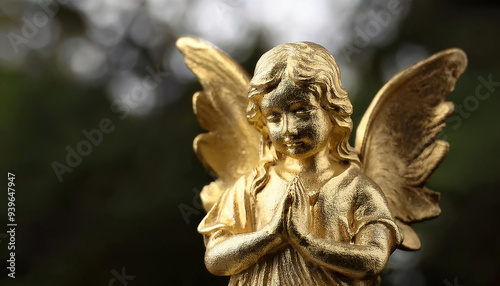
294 203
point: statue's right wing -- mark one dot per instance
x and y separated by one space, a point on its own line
231 146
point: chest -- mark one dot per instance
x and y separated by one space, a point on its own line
330 207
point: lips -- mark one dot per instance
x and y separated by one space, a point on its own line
293 144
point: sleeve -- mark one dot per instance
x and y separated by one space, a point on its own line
371 208
230 213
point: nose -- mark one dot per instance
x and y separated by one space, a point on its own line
289 127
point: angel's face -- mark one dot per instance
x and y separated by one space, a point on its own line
298 126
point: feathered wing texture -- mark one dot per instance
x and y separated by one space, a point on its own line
397 137
231 147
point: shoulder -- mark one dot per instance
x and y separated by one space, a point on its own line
240 187
214 191
369 204
359 179
368 198
361 184
356 187
354 179
231 210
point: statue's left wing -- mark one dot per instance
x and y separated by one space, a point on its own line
397 137
231 146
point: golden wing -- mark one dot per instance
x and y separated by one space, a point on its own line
397 137
231 147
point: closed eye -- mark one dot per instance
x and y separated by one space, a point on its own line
303 112
273 117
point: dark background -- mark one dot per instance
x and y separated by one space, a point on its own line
120 207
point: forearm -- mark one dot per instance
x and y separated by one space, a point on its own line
364 258
236 253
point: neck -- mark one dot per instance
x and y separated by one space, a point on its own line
315 164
